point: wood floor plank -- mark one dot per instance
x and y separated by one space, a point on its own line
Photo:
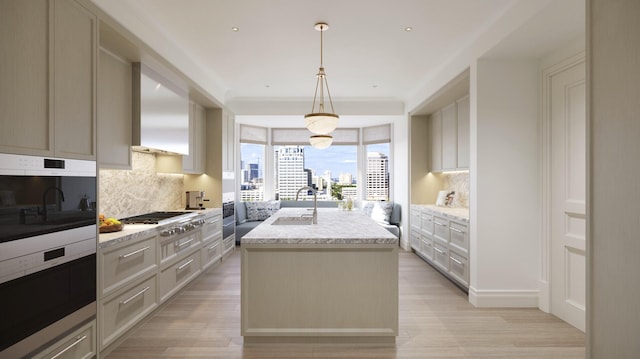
436 321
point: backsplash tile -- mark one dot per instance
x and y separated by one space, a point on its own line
124 193
459 182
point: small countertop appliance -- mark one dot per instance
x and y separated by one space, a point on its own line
195 199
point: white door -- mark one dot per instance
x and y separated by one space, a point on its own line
568 195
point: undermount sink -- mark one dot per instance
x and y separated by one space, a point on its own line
293 221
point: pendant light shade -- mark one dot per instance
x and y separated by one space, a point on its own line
321 122
320 141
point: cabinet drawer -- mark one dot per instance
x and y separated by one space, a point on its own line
80 344
458 236
458 267
121 312
175 276
426 220
427 247
415 218
127 263
415 240
211 227
441 255
177 246
441 228
211 252
228 245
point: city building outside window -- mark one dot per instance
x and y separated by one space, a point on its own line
251 174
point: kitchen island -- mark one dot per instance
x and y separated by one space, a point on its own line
331 282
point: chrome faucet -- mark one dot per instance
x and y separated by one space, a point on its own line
44 200
315 202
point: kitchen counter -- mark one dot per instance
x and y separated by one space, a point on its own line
334 227
331 282
133 231
456 213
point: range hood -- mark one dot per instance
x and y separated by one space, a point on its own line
160 113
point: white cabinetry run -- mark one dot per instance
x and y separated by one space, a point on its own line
449 129
442 240
143 269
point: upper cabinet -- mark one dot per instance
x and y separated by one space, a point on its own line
462 107
114 111
194 162
48 71
449 127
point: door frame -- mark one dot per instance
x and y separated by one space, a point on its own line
544 298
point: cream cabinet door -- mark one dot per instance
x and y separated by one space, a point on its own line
114 111
435 129
24 82
463 112
449 138
74 86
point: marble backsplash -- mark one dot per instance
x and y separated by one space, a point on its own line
124 193
458 182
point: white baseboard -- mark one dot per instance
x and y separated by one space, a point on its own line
544 297
404 244
503 298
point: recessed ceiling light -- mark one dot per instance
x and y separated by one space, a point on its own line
408 28
267 86
235 29
374 86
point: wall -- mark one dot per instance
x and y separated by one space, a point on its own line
613 55
124 193
505 200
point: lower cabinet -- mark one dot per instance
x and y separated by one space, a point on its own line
442 241
176 275
139 273
79 344
119 312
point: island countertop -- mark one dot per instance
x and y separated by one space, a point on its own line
334 227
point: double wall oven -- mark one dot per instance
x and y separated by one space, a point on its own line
47 250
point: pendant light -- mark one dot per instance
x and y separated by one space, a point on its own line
320 141
321 122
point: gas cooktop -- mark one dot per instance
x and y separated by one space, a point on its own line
152 218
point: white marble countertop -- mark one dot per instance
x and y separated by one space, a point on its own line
334 227
458 213
133 231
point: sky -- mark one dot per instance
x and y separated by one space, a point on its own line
337 159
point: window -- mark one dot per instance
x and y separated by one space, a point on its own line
276 166
377 140
329 171
253 142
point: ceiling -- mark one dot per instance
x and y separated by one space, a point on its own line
369 56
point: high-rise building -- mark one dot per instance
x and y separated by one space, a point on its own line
345 178
254 171
291 174
377 176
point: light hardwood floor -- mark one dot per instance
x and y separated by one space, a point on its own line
436 321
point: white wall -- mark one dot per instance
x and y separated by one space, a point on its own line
505 181
400 172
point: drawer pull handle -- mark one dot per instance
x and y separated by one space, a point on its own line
78 340
440 224
126 301
214 246
440 251
456 230
457 261
184 265
125 256
180 245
